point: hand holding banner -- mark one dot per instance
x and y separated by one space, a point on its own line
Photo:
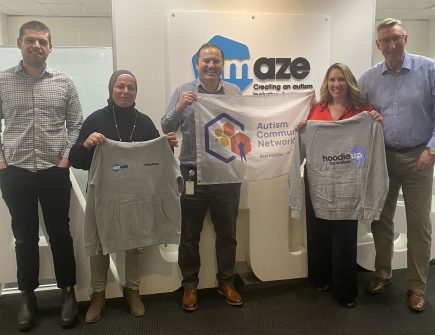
244 138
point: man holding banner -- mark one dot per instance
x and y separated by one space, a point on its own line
221 199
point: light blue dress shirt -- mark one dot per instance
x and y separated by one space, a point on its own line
406 100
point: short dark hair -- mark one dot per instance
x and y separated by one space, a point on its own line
209 45
35 25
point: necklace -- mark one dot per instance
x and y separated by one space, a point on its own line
116 124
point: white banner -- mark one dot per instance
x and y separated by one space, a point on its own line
245 138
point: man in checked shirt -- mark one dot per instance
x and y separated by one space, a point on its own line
42 117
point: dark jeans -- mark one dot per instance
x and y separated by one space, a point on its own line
332 251
21 190
223 202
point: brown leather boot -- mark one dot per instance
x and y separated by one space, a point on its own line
96 307
133 299
190 299
230 294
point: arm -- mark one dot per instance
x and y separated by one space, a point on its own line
302 124
426 160
73 122
152 128
172 139
376 116
362 87
3 163
82 151
171 121
296 184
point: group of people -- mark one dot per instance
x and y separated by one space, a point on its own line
44 134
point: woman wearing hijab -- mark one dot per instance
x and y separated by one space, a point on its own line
118 121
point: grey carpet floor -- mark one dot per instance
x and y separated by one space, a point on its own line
284 307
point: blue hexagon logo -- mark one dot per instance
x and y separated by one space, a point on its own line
225 137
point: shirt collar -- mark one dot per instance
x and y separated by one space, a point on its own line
20 69
324 108
406 64
202 89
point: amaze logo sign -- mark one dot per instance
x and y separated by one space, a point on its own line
277 70
356 156
225 138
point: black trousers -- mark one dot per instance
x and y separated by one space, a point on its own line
21 190
223 202
332 250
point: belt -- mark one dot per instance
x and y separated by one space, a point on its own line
405 149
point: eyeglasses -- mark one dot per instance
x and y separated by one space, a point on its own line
387 40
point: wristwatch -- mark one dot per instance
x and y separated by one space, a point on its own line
431 150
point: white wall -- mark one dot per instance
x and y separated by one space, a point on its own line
431 39
140 32
67 31
140 44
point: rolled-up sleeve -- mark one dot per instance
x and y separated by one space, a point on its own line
171 120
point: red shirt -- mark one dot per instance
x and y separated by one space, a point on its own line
321 111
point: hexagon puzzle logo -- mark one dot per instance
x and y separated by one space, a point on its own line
225 138
232 50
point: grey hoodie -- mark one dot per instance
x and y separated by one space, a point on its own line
346 167
133 196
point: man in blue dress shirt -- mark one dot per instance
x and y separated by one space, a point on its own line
402 89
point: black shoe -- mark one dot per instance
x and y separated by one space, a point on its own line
324 288
26 318
348 303
69 309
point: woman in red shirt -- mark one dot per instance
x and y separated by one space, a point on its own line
332 244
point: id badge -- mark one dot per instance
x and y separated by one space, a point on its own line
190 188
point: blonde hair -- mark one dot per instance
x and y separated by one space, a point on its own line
353 91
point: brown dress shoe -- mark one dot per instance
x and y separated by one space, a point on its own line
231 295
377 285
190 299
416 301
